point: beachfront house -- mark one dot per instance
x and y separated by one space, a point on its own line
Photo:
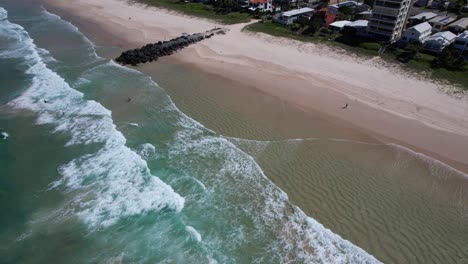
420 18
287 18
418 33
439 41
337 26
459 26
261 5
358 28
440 23
461 43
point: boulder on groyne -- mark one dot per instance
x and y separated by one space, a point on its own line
152 52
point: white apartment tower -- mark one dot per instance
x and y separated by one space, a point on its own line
388 19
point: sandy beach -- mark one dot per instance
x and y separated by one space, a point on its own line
383 101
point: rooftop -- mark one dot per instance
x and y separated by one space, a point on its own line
463 35
426 15
340 23
462 22
442 37
345 3
443 19
366 13
296 12
358 23
421 27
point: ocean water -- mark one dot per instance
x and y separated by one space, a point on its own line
88 177
81 188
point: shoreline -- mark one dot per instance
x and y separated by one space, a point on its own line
424 119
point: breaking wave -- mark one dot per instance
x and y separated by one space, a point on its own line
115 181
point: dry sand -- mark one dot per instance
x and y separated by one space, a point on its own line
393 105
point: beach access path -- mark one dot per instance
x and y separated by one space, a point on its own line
394 105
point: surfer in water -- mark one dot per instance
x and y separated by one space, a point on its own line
344 107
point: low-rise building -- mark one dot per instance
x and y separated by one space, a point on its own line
261 5
358 27
337 26
461 43
418 33
459 26
421 17
287 18
440 23
439 41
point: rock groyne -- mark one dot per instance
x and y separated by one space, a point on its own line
152 52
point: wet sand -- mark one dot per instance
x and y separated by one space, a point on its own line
313 78
394 205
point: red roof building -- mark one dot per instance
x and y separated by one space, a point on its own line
327 14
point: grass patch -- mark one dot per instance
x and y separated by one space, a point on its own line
278 30
372 46
199 10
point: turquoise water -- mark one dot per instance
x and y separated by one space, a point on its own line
77 186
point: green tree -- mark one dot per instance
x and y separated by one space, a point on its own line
450 59
345 12
315 23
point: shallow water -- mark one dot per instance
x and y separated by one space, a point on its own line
101 179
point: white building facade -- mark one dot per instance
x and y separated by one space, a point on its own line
388 19
438 41
287 18
261 5
418 33
461 43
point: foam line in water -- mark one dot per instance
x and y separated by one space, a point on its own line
434 164
311 241
72 27
115 180
431 162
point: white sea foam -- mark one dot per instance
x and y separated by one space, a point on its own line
297 234
112 183
193 233
147 151
115 182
